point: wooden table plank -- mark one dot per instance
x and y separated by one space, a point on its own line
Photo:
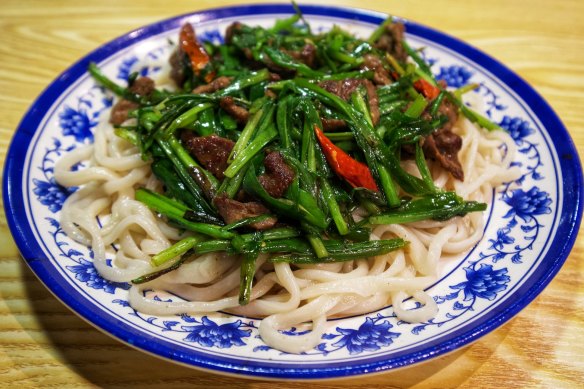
43 344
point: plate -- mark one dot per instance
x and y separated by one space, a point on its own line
531 226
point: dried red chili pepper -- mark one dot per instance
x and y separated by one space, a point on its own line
195 51
354 172
428 90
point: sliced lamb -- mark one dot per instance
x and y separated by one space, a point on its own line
237 112
211 151
331 124
345 88
391 41
380 73
215 85
373 101
342 88
278 176
307 55
443 146
231 30
233 210
142 86
119 112
177 71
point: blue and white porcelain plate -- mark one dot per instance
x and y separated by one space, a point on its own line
532 223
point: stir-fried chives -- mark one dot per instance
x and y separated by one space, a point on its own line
417 107
185 119
176 250
422 65
379 30
422 165
176 212
355 162
246 134
252 149
244 82
439 206
189 182
472 115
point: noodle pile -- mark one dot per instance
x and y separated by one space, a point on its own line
103 212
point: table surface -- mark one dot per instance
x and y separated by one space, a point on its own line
42 343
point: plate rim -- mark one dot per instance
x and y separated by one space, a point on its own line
568 161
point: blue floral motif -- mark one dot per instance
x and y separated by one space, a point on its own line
528 204
76 123
47 190
123 303
293 331
525 207
85 272
209 334
503 239
490 100
455 76
211 36
518 128
83 269
368 337
125 69
484 282
51 194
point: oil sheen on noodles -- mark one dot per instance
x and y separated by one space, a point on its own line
284 295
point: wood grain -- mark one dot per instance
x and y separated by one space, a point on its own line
43 344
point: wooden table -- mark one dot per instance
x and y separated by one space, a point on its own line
43 344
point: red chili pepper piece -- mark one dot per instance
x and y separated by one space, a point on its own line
196 52
354 172
428 90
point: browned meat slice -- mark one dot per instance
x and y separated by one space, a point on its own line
177 72
211 151
443 146
274 77
232 29
391 41
373 101
233 210
272 66
330 124
237 112
120 110
278 176
215 85
269 93
142 86
380 75
249 56
307 55
344 89
447 109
